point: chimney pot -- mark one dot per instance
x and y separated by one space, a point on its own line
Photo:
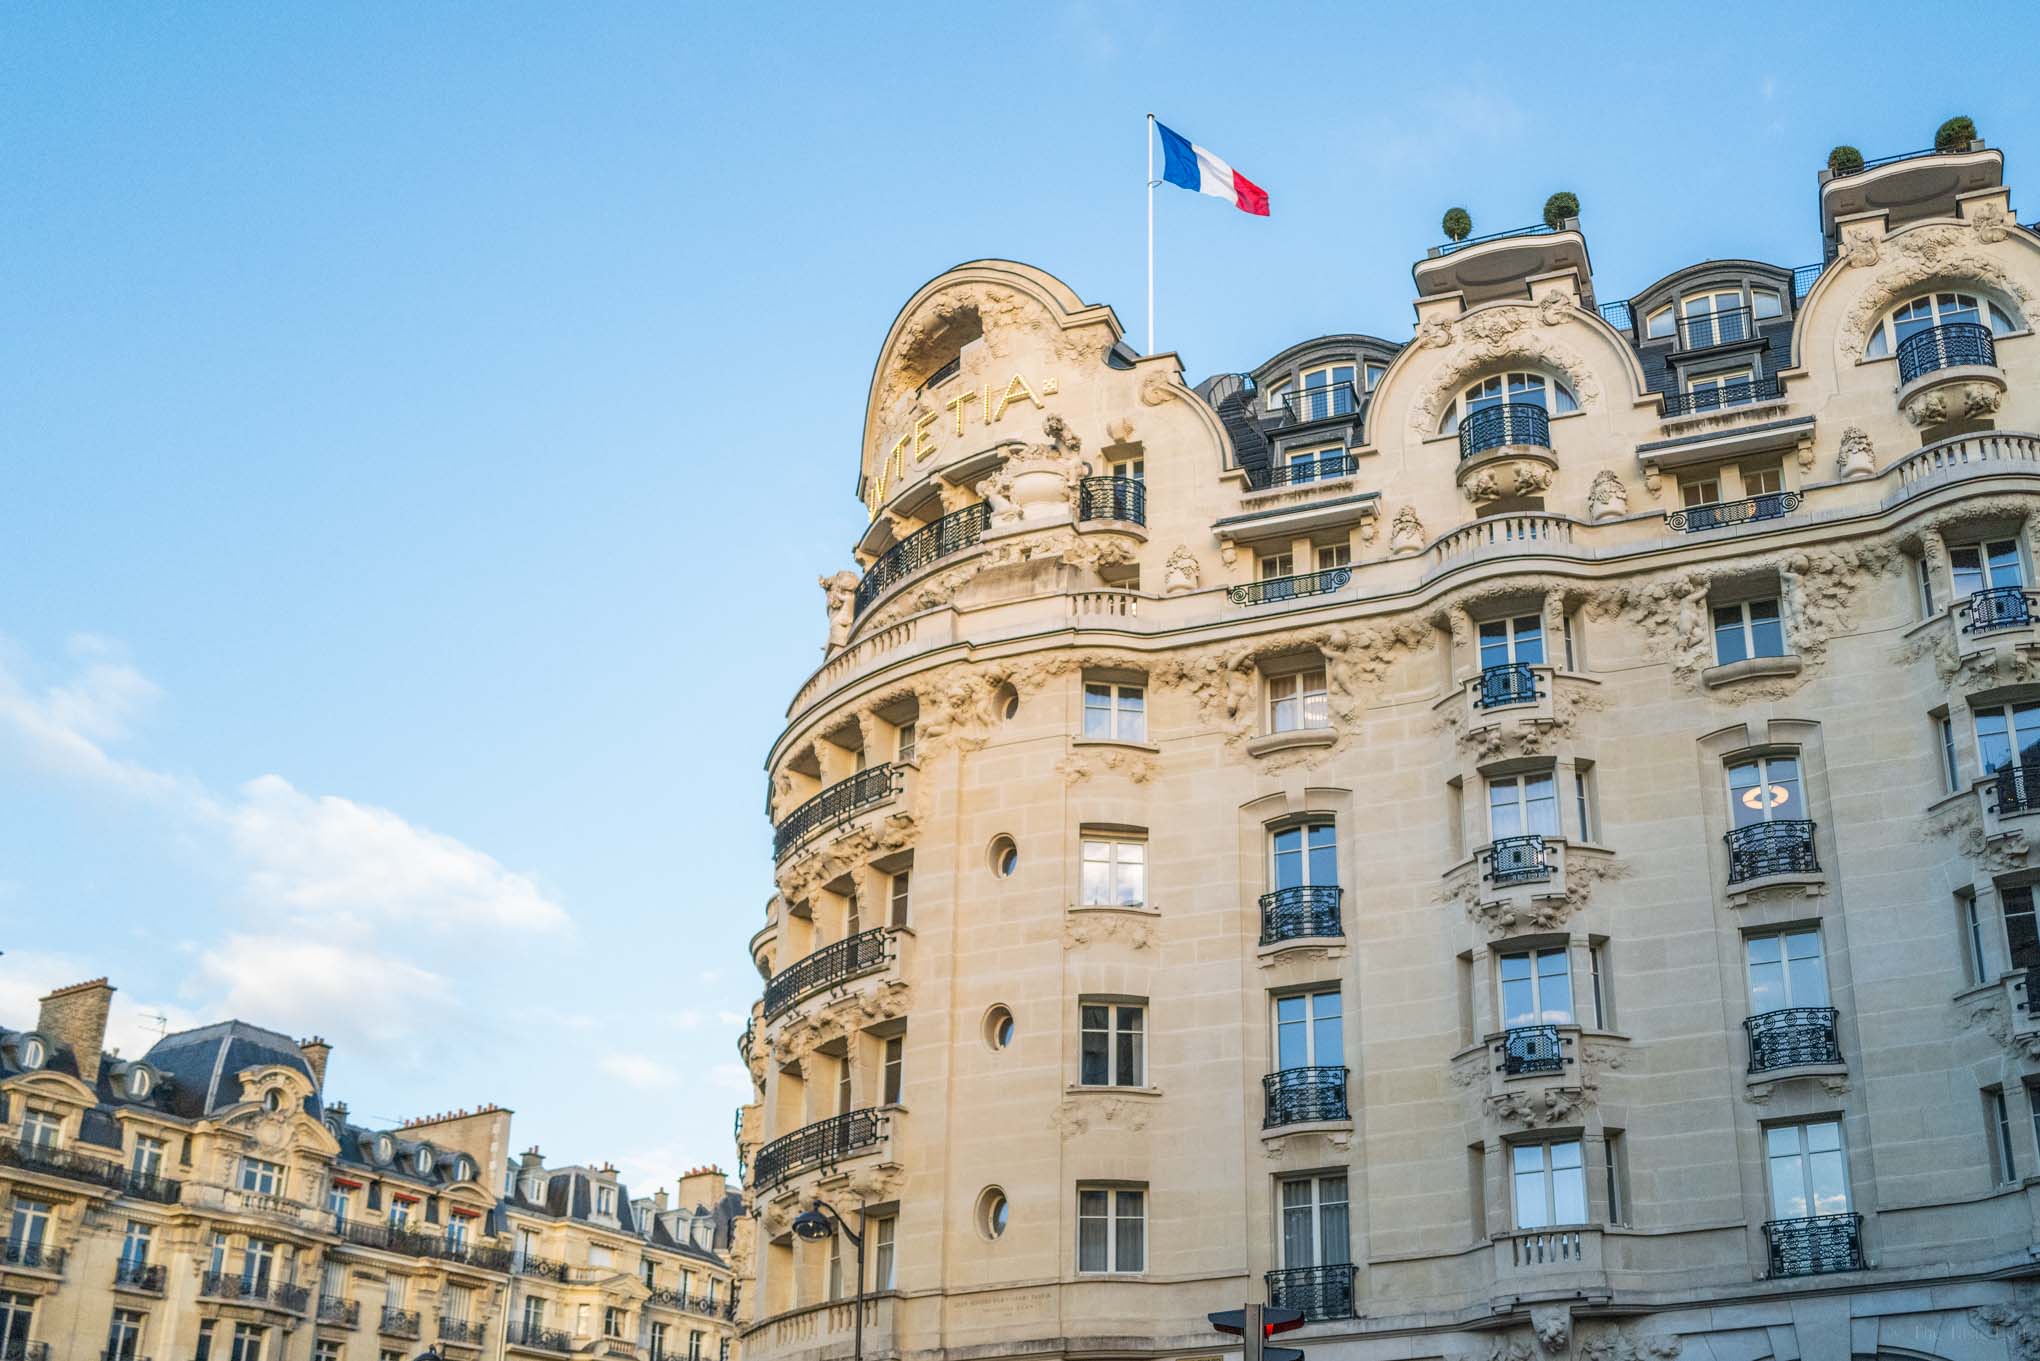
75 1019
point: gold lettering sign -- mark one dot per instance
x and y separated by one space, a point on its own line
992 402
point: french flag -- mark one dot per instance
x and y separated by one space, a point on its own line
1190 165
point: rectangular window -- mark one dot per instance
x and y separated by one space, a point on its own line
1785 970
40 1129
534 1312
1951 772
900 894
339 1203
656 1342
1985 566
1519 640
456 1234
1113 1045
836 1291
148 1160
1969 920
1314 1218
459 1303
895 1057
1522 805
1721 389
1297 700
1808 1174
1275 565
248 1339
1303 855
2006 733
135 1243
1583 799
1604 998
400 1213
216 1255
1115 713
1310 1030
1550 1184
1699 491
1618 1176
1926 576
1765 790
1111 1229
394 1290
1997 1119
28 1223
1750 628
884 1234
1114 872
2022 935
605 1200
904 749
263 1178
1536 988
325 1349
1332 555
1763 481
612 1321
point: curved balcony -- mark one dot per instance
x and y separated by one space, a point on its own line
1762 849
1301 912
2016 789
1792 1037
1112 498
1275 589
1959 344
1719 514
219 1285
1815 1244
1297 1096
952 533
1516 860
1999 607
838 962
1510 425
837 804
1531 1049
822 1144
1320 1292
1506 684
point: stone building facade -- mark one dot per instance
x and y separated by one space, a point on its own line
208 1202
1514 842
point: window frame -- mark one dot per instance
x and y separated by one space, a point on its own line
1305 689
1502 389
1313 1024
1548 1174
1124 710
1313 835
1884 340
1745 627
1509 642
1539 1013
1123 1046
1316 1205
1523 803
1114 1196
1124 858
1803 1155
1786 987
1763 763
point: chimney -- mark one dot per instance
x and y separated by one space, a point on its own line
75 1019
659 1201
316 1052
702 1186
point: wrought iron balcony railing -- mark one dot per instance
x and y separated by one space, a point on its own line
952 533
1494 427
1293 1096
818 1145
1998 607
34 1256
1112 498
461 1330
1505 684
1321 1292
1815 1244
1769 506
1708 329
1516 860
545 1268
521 1334
1300 911
1791 1036
1272 589
20 1349
1532 1049
398 1322
424 1243
132 1275
1322 403
339 1313
1958 344
2016 788
220 1285
838 803
837 962
150 1186
1318 468
1784 846
1535 229
1722 397
62 1162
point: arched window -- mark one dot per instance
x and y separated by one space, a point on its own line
1528 389
1936 309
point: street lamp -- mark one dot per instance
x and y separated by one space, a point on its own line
821 1222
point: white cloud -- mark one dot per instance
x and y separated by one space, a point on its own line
684 1020
730 1017
636 1070
60 728
294 983
733 1078
132 1025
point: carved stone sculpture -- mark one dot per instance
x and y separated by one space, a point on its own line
1406 533
1989 221
1181 572
1554 308
1436 331
1861 247
1607 499
1858 458
841 593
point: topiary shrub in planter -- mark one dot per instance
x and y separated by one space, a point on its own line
1955 134
1559 207
1845 160
1458 224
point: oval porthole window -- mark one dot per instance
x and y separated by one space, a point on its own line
31 1053
998 1028
1008 702
1005 857
138 1083
992 1212
383 1148
272 1100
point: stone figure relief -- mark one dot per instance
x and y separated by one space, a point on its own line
1989 220
1920 257
1489 336
1435 332
1551 1106
1857 457
1619 1345
1859 247
1607 499
840 593
1555 309
1181 572
1957 402
1157 388
1552 1326
1040 481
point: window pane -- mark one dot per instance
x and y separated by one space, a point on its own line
1327 1043
1540 804
1494 643
1132 714
1131 1248
1324 855
1966 566
1767 632
1554 988
1334 1242
1297 1247
1288 857
1728 634
1130 1046
1530 640
2004 564
1993 740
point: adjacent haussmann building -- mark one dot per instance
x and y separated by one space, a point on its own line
1518 842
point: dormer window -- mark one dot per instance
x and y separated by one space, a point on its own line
463 1168
1328 390
421 1162
138 1084
1510 389
32 1053
534 1191
1936 309
272 1100
605 1200
385 1148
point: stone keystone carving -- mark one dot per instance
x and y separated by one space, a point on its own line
1607 498
841 593
1552 1323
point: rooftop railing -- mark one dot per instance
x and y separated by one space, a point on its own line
1333 400
1704 330
1535 229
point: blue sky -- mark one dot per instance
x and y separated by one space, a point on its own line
424 425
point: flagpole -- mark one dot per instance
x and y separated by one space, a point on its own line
1151 231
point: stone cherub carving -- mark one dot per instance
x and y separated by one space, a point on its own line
841 593
1406 532
1607 499
1858 457
1181 572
